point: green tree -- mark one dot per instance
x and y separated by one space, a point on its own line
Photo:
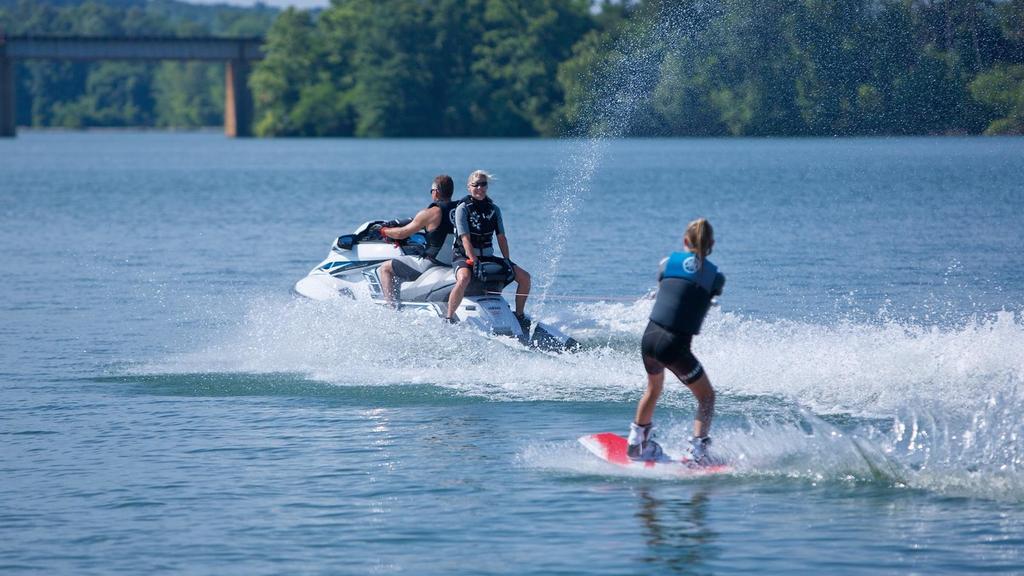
456 95
291 48
188 94
551 67
1011 22
1002 90
579 76
517 56
390 71
117 94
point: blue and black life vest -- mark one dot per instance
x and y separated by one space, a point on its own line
684 293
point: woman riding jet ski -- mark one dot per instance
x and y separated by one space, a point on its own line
351 270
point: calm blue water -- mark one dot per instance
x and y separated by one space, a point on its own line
168 406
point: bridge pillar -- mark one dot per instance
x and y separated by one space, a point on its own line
7 118
238 106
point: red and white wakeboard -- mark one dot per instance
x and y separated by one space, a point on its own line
611 448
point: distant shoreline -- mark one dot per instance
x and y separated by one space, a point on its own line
220 130
57 129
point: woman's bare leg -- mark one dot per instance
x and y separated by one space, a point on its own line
522 289
645 409
462 278
705 396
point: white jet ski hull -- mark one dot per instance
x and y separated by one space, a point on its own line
351 271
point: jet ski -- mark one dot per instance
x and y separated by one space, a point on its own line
351 271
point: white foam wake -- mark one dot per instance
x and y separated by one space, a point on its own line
863 369
933 407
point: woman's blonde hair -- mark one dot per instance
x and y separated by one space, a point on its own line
477 174
700 237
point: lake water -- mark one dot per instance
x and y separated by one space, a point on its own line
169 406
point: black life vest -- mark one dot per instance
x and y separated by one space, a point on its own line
436 237
483 223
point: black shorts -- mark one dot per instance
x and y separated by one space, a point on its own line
459 262
663 348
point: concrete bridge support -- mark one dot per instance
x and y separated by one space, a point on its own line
238 104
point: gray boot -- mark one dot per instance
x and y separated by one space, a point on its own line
640 445
699 449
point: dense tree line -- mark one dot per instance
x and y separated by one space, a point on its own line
557 67
112 94
683 67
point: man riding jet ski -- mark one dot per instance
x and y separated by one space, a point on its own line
437 220
352 270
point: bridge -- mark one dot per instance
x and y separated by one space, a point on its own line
236 53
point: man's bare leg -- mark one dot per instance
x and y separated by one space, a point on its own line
387 281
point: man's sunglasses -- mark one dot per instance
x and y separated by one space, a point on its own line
479 184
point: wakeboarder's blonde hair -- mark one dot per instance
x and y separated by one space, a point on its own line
700 237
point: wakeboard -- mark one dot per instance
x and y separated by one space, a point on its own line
611 448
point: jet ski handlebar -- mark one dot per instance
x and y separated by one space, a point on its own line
370 232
